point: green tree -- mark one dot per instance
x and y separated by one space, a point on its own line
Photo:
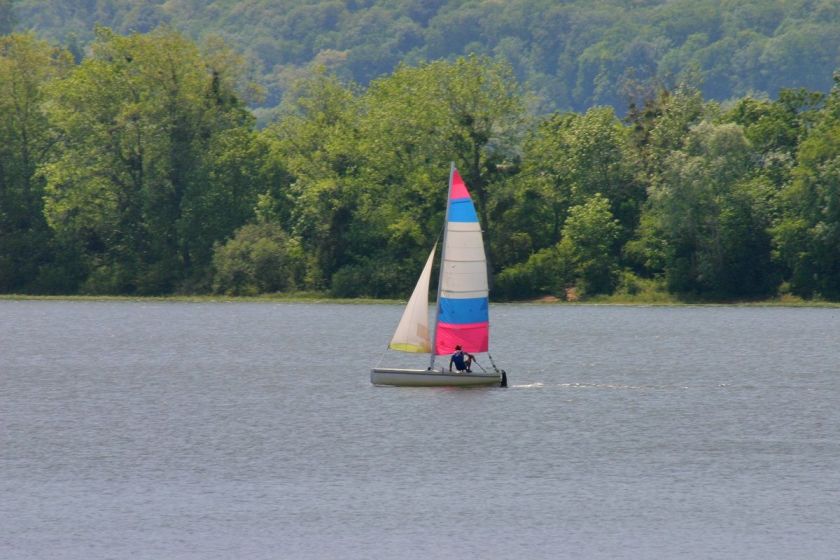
417 120
129 187
712 217
242 168
549 271
807 238
483 107
585 257
260 258
566 160
317 135
546 187
589 238
776 128
27 66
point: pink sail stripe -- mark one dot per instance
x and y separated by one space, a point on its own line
472 337
459 189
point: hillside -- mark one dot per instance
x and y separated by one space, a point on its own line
131 163
572 55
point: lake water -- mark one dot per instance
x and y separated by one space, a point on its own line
150 430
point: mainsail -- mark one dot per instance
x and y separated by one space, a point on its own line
462 312
412 334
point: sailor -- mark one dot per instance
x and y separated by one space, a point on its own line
461 359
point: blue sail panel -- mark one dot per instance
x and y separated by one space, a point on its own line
462 210
464 311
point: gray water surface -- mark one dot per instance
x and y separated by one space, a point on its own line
251 430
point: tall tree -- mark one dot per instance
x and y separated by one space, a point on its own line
589 238
470 111
807 238
485 112
709 214
27 65
567 159
316 134
131 183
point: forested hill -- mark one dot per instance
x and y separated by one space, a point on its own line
573 54
131 163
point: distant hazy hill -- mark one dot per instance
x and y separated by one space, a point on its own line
573 54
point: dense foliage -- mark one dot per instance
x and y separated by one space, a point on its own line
572 54
139 170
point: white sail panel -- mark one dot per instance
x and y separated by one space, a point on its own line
464 226
464 267
465 254
412 334
465 276
464 243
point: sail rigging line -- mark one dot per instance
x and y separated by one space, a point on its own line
379 361
503 373
475 361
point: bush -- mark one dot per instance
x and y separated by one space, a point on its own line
546 272
108 279
260 258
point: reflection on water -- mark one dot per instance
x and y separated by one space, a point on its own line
243 430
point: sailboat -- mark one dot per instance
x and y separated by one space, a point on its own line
462 310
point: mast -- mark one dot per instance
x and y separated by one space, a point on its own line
442 260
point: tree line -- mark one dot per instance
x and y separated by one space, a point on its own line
139 170
572 54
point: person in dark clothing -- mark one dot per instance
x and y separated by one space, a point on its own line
461 359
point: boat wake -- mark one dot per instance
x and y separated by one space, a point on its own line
600 386
618 386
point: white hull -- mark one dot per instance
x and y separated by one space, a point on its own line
427 378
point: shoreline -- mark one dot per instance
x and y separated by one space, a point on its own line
267 298
786 301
